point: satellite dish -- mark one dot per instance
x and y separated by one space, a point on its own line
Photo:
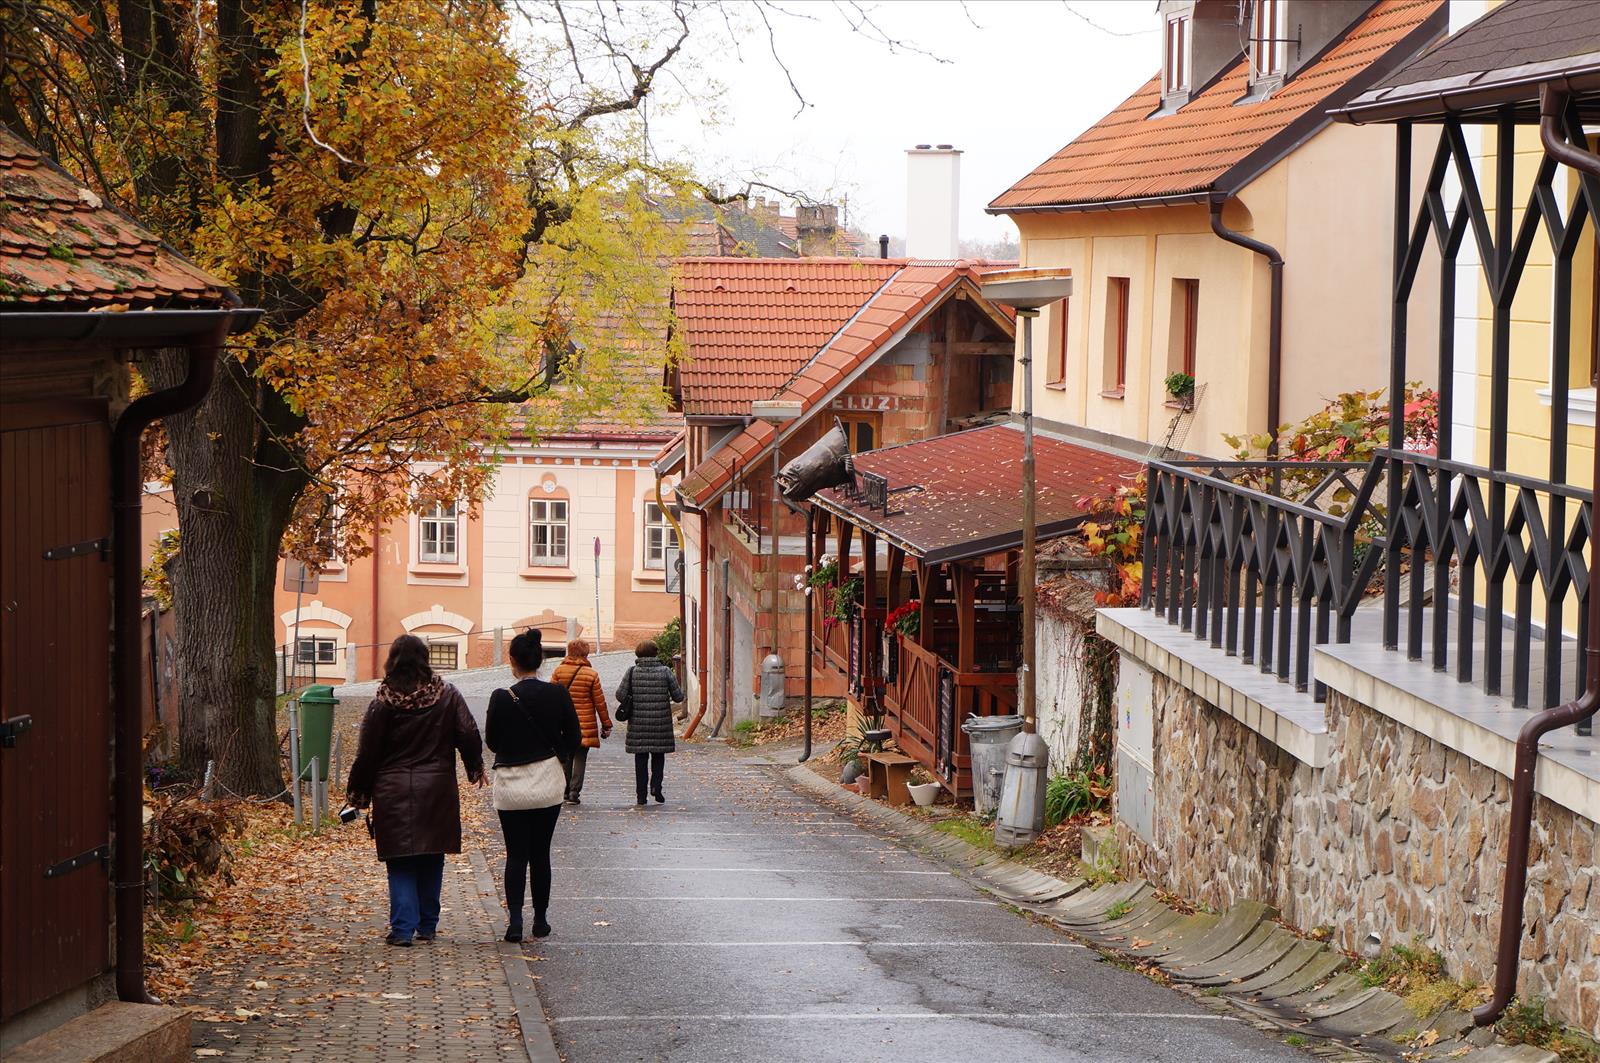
826 463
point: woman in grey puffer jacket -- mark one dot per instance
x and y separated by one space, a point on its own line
652 688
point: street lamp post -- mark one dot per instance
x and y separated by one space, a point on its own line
1021 813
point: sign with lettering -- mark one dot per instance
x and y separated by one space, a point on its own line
867 403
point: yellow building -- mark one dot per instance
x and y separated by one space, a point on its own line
1172 209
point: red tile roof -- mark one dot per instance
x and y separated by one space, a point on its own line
60 248
960 495
911 289
1128 155
749 323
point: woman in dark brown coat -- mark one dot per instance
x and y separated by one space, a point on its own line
405 770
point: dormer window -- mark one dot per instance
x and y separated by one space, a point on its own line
1269 46
1175 76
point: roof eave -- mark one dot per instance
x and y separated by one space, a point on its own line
1138 203
126 328
1420 102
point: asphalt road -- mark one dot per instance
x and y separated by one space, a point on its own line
744 922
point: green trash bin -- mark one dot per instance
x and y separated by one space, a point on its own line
316 727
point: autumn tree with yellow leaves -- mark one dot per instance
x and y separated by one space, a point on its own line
446 222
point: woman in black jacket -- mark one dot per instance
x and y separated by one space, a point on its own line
531 723
651 688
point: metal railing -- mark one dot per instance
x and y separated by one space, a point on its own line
1264 559
1268 560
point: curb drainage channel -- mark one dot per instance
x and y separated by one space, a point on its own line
1242 959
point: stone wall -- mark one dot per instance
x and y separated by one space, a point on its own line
1398 835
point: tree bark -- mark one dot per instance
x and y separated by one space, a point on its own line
232 512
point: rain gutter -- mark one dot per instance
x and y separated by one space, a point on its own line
1275 315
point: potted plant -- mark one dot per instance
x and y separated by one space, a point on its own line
924 789
1181 387
907 619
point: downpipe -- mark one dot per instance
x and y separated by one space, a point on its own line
126 629
1275 316
811 553
1508 952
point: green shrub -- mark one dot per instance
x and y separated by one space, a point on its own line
1076 793
670 641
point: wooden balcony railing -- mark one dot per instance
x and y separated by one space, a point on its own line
927 702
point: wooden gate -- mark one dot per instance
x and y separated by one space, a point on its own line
55 640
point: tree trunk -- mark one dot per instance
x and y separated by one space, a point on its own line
232 511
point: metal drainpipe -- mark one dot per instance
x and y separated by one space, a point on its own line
126 631
727 648
1551 103
1275 322
811 513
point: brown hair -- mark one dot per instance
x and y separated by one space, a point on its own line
646 649
578 648
407 667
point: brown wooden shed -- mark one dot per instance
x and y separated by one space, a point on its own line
83 290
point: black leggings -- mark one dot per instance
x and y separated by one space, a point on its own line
648 768
528 832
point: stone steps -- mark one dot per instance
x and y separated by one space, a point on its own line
112 1033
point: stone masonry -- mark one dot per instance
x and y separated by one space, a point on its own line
1398 835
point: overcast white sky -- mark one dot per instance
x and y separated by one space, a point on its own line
1024 81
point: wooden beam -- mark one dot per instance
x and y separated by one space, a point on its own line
966 619
897 560
1003 349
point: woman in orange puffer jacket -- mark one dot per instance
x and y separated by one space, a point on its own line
589 698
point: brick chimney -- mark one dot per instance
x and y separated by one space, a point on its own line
933 193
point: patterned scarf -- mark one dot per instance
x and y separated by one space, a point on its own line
420 698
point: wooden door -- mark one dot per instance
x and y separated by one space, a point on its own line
55 641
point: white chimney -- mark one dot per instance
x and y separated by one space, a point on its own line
933 197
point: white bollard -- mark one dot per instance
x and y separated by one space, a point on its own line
294 759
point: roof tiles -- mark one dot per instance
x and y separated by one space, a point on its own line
60 248
960 495
749 323
906 291
1129 155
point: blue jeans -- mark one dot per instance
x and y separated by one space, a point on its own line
414 884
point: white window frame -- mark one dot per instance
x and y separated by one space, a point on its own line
323 650
441 522
658 535
1268 26
542 517
1178 53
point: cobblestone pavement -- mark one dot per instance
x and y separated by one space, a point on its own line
742 921
350 997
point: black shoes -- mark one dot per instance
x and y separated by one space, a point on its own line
427 935
641 801
514 932
541 929
660 797
573 800
397 941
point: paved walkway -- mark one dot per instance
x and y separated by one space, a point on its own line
742 921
